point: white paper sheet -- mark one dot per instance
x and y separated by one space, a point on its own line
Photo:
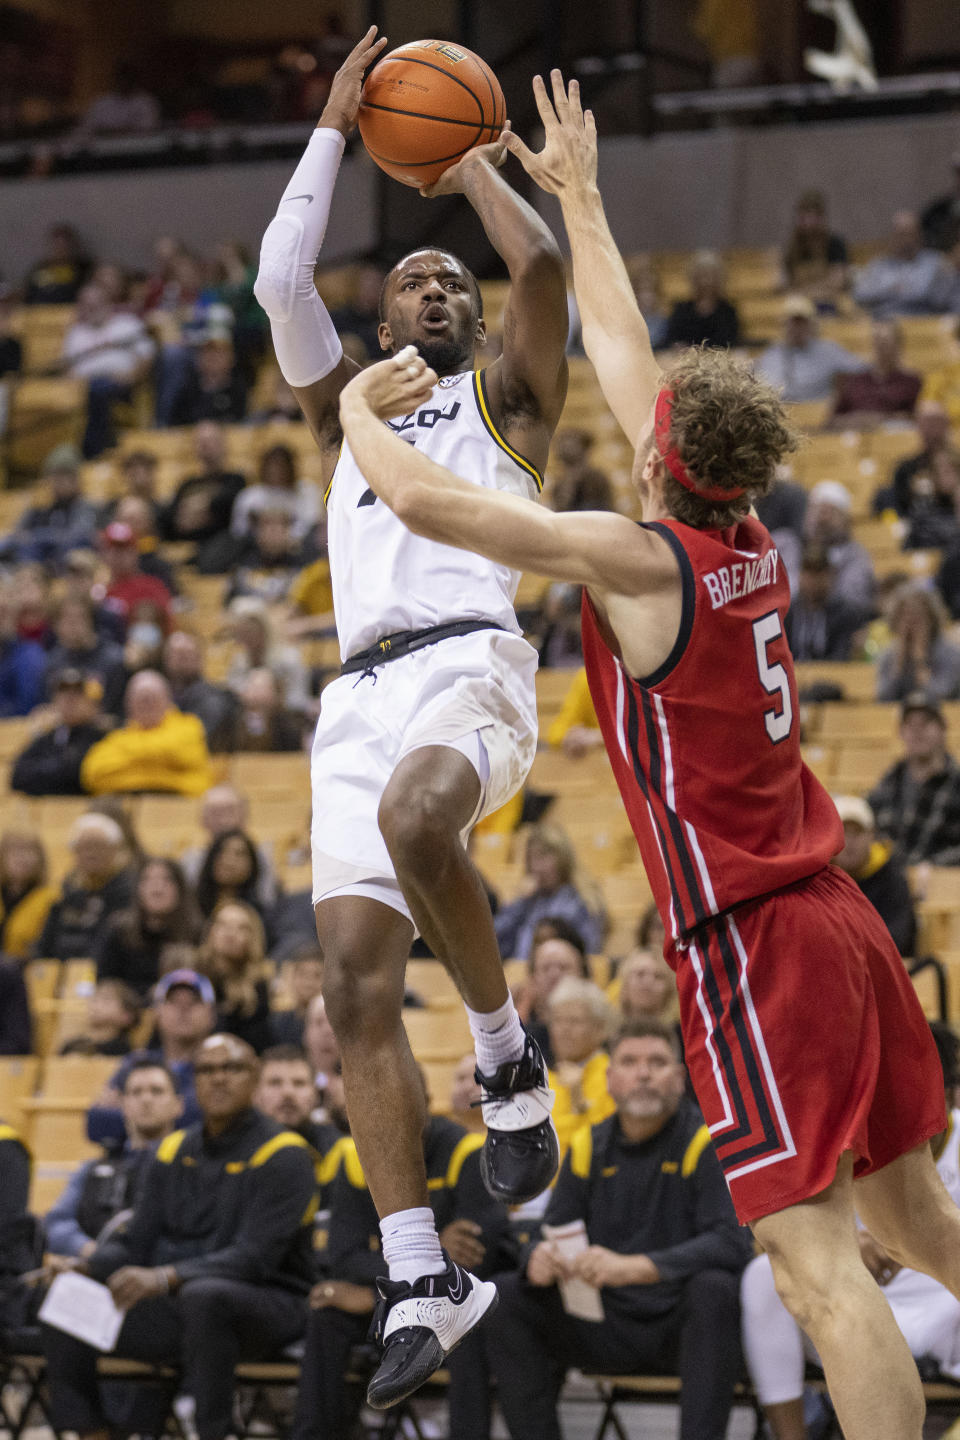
83 1308
579 1298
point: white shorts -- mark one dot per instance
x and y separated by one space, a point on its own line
474 693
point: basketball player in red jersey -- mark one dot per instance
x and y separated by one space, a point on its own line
807 1047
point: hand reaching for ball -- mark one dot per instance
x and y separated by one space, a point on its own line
392 387
568 160
343 102
454 180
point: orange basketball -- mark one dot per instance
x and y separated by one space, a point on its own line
425 105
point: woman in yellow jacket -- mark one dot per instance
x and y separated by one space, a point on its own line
580 1020
25 896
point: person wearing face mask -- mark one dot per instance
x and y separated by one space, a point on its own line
159 748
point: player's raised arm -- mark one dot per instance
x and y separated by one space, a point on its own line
528 384
307 346
615 334
604 551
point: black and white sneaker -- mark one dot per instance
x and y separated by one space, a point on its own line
418 1325
521 1153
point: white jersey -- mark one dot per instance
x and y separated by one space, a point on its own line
387 579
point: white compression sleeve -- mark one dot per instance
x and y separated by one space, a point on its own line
306 344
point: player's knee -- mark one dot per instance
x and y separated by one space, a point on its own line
417 828
813 1291
362 1003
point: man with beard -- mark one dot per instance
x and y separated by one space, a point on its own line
664 1249
433 722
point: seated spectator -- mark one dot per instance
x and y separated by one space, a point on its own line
917 802
884 391
257 645
650 933
159 749
576 730
25 896
31 590
821 625
98 1190
360 316
50 764
233 277
559 643
277 488
129 587
183 669
707 318
232 957
914 488
261 723
127 109
940 220
829 522
18 1234
664 1249
282 407
908 280
137 480
645 988
113 1012
215 1262
323 1052
11 351
573 483
471 1226
66 522
919 656
815 261
783 510
77 647
230 871
803 366
287 1093
116 808
877 871
163 913
98 884
214 389
580 1022
60 272
303 977
558 953
16 1026
80 580
202 505
550 867
645 284
140 516
225 809
927 1314
22 662
113 352
267 561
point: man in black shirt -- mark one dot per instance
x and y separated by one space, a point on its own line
916 804
201 506
877 869
215 1264
50 764
663 1248
17 1232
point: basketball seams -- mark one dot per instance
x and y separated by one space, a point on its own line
421 115
429 65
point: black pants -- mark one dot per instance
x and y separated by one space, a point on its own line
327 1407
532 1342
205 1329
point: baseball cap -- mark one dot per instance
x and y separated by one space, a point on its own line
854 811
798 307
118 532
72 679
831 492
190 980
922 700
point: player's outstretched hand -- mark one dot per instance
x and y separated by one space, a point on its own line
343 102
392 387
568 160
453 181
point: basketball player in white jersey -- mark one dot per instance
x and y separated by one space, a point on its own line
432 723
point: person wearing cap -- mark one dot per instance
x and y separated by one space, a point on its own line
112 351
909 279
159 748
98 884
919 657
66 522
877 869
820 625
940 221
917 801
215 1263
50 763
78 646
802 365
140 515
829 522
128 586
216 389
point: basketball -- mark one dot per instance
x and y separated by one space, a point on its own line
425 105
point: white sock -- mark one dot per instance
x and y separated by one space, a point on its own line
497 1035
411 1245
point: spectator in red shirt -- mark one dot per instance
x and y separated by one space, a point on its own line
129 586
883 392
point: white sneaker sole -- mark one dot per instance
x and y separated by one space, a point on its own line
450 1323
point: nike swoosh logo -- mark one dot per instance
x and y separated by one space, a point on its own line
308 199
455 1294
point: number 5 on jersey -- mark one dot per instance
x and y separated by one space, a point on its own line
773 677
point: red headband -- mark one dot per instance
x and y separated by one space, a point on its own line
670 455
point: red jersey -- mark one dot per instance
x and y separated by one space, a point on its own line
706 751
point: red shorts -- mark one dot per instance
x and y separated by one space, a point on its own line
804 1038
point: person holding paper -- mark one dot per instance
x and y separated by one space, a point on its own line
216 1263
658 1246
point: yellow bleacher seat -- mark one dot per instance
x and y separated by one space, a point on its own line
439 1077
839 721
69 1021
44 413
555 771
18 1080
857 679
275 772
42 979
76 1078
432 983
438 1034
78 979
552 686
58 1131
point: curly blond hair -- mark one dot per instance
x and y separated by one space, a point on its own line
731 430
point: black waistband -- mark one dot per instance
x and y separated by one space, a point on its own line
404 642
